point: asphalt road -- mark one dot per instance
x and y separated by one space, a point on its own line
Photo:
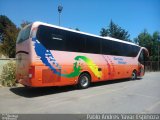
120 96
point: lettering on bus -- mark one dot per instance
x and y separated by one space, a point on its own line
120 60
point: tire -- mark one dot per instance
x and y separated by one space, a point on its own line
134 75
84 81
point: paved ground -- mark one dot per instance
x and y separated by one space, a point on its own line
139 96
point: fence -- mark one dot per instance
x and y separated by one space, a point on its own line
152 66
4 61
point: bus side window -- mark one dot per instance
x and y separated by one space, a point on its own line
106 47
51 38
74 42
93 45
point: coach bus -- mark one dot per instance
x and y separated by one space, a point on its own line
49 55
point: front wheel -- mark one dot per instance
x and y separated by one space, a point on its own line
134 75
84 81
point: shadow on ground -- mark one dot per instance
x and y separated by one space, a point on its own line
35 92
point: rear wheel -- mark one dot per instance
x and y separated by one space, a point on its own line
84 81
134 75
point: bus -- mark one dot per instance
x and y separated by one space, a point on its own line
50 55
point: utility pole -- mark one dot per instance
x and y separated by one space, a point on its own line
60 8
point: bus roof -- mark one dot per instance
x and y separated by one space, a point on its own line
37 23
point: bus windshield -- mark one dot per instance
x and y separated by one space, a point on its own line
24 34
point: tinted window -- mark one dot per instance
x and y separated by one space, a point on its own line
51 38
126 49
112 47
75 42
117 48
24 34
106 47
120 49
92 45
135 50
57 39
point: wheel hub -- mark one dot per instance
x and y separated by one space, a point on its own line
84 81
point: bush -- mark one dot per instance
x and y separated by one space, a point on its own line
8 77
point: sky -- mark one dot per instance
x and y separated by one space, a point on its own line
87 15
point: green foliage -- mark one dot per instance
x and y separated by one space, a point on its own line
8 35
24 23
115 31
7 77
150 42
104 32
77 29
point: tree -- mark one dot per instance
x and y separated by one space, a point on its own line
24 23
115 31
77 29
4 22
8 35
150 42
104 32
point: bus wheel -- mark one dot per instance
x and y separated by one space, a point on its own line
134 75
84 81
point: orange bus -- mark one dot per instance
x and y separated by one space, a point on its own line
49 55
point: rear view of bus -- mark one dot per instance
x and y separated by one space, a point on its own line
23 55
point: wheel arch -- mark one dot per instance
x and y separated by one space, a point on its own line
80 81
134 71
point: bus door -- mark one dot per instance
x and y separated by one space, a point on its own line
141 62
